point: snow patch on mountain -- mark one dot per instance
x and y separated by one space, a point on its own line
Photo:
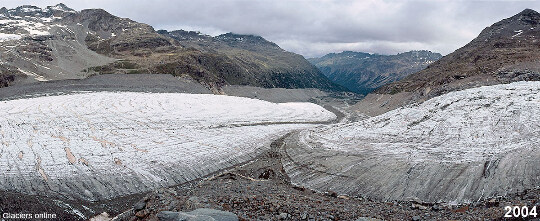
29 21
9 37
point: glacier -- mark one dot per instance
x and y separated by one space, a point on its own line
101 145
459 147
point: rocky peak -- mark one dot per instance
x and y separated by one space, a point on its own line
60 10
420 55
96 15
529 15
29 12
26 10
183 35
345 56
96 12
355 54
233 38
60 7
104 23
4 12
524 26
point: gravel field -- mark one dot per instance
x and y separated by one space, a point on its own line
158 83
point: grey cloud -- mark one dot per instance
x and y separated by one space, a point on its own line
316 27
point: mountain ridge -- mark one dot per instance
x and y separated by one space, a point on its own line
261 62
96 42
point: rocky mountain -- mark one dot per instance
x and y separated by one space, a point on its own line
38 45
507 51
58 43
256 61
363 72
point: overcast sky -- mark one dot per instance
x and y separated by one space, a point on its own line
317 27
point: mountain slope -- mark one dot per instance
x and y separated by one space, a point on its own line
363 72
35 45
505 52
58 43
259 62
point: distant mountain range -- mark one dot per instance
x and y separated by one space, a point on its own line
507 51
363 72
57 42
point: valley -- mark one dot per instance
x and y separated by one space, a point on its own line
105 118
363 72
262 180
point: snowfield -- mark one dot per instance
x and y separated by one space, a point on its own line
9 37
457 147
105 144
22 28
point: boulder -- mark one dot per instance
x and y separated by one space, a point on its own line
202 214
367 219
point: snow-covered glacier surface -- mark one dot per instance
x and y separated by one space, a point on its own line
457 147
106 144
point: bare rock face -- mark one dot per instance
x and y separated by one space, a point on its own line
111 35
8 75
505 52
456 148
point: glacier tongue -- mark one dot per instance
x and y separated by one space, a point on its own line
457 147
105 144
